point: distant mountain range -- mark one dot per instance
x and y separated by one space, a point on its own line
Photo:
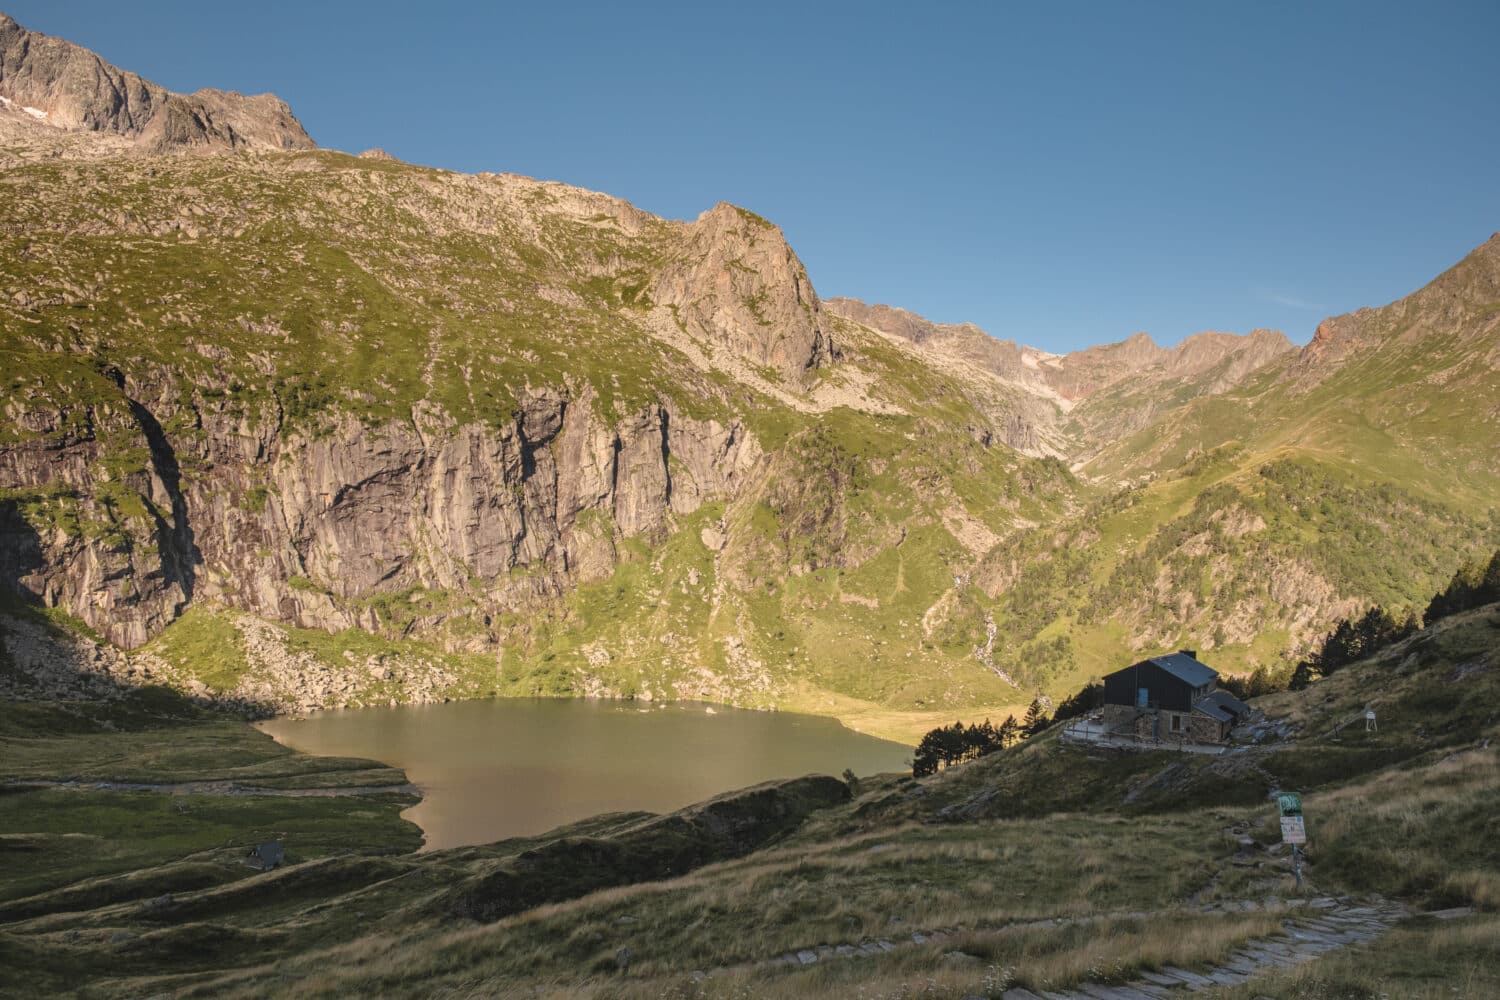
1203 364
295 428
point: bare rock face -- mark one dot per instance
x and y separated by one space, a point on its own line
119 553
734 281
962 340
72 88
1083 372
305 527
1202 351
893 320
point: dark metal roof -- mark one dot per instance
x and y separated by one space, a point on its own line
1186 669
1228 702
1213 711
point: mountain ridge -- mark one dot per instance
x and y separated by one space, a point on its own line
67 86
1056 385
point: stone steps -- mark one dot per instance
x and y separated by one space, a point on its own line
1320 926
1328 926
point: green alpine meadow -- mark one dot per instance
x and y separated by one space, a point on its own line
291 434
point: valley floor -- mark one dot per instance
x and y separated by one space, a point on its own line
1046 869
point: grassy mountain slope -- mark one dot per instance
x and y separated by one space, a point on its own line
270 314
1360 470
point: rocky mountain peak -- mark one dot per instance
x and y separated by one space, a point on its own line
1084 372
735 281
1461 298
1202 351
70 87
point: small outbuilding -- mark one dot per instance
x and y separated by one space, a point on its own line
266 856
1171 697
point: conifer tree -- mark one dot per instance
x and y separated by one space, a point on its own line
1036 718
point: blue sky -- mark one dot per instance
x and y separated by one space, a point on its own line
1059 173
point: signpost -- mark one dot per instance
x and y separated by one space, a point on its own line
1293 828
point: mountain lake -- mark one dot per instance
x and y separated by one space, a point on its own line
518 767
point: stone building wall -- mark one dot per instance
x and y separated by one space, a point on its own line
1202 729
1118 717
1195 727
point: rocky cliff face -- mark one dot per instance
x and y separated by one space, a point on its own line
502 514
733 280
1230 357
69 87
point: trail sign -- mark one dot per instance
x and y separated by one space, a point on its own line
1293 829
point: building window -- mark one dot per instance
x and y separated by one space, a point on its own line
1176 723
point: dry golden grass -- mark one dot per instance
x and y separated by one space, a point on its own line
983 963
980 882
887 723
1427 833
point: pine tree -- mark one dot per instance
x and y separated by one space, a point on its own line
1303 676
1489 585
1466 590
1036 718
1373 631
1340 648
924 760
984 739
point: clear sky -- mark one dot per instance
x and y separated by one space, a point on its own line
1059 173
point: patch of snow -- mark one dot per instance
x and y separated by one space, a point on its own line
35 112
4 102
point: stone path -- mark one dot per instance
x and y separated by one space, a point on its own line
1328 925
1320 926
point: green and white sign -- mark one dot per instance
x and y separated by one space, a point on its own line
1290 803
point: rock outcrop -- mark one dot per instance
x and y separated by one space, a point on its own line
70 87
734 281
